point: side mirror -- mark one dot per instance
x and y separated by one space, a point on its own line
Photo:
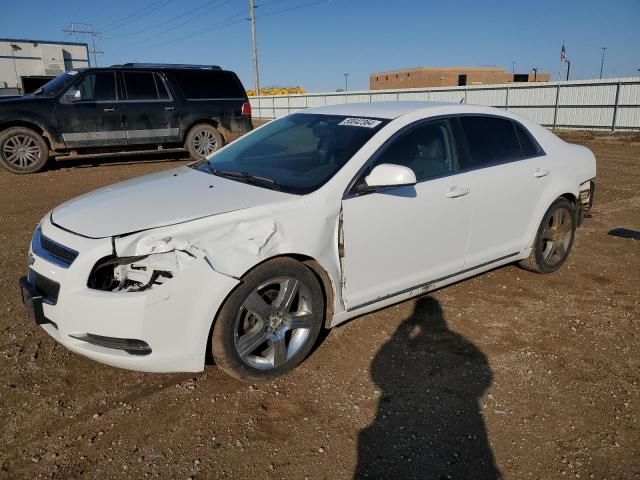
390 175
73 95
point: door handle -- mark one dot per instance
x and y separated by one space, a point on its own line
169 109
455 192
541 172
109 109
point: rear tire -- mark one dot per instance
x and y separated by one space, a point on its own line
23 150
269 324
554 238
202 140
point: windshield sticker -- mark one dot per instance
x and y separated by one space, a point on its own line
360 122
71 72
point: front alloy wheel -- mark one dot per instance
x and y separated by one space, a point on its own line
23 150
273 323
269 324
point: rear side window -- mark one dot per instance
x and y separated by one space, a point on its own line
140 86
528 145
209 84
491 140
98 86
162 89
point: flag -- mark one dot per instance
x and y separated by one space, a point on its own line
563 54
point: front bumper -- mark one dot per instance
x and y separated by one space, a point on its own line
165 327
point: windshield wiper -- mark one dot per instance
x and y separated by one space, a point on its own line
246 176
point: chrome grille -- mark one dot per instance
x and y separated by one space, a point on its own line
52 251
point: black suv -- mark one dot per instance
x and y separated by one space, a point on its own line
132 107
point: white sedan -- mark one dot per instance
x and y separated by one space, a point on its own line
310 220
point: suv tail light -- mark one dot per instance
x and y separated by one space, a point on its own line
246 109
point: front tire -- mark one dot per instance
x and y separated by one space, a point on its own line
23 150
554 239
270 323
202 140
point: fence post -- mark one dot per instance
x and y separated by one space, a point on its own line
288 103
555 111
506 100
615 109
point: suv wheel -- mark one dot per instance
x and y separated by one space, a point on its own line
270 323
202 140
23 150
554 238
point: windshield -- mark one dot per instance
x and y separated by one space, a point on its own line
296 154
55 86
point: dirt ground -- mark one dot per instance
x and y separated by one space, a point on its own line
508 374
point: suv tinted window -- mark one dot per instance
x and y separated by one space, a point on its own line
427 149
162 89
98 86
491 140
140 86
201 84
528 145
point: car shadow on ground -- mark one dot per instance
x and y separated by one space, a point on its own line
118 159
428 424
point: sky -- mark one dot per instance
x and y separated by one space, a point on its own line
312 43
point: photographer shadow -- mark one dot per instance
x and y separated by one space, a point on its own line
428 424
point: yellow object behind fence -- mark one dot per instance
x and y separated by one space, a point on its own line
277 91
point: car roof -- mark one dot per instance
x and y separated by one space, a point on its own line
388 110
394 109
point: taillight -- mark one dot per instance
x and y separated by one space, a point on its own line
246 109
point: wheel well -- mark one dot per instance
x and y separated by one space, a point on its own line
208 121
569 196
321 275
25 124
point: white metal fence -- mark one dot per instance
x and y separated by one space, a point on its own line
612 104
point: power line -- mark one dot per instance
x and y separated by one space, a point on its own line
171 20
228 21
217 26
138 14
289 9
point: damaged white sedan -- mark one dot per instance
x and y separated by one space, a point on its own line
308 221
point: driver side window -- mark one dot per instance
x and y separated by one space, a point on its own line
98 86
427 149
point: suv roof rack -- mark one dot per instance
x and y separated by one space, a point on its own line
167 65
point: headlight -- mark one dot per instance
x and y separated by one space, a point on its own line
135 274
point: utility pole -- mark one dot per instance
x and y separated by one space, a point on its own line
513 67
346 82
535 74
602 62
252 18
88 30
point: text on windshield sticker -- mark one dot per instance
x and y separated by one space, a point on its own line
360 122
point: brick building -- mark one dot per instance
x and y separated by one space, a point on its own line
448 77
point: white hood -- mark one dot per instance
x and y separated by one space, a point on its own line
156 200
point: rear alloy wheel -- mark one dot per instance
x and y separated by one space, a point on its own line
554 238
23 150
202 140
270 323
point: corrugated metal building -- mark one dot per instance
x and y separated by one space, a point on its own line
421 77
27 64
